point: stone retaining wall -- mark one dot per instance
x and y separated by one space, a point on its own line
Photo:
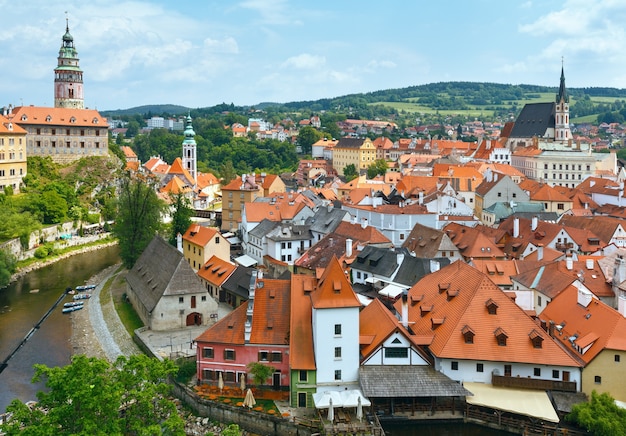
250 420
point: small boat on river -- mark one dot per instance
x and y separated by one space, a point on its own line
74 304
81 296
84 288
72 309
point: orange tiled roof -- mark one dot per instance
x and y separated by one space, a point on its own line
206 179
457 298
334 289
200 235
175 186
301 351
128 152
597 320
377 323
55 116
216 270
15 129
356 232
280 211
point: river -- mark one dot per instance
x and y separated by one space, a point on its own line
24 302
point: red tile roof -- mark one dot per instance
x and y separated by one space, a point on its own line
334 289
434 310
301 351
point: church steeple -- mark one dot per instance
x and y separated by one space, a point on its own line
562 132
68 77
189 151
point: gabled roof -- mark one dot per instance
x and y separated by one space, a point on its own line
216 270
472 243
377 261
161 270
458 297
603 226
200 235
9 127
412 269
363 234
334 289
377 323
547 279
271 312
175 186
499 271
206 179
280 211
534 120
596 326
238 282
301 351
424 241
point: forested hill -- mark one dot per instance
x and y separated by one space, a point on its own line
459 96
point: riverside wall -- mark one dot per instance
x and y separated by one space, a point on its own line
250 420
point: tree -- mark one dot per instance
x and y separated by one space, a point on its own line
378 168
92 397
350 172
260 371
181 219
7 267
600 416
307 137
138 219
52 206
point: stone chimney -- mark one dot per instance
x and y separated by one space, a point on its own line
534 223
348 248
516 227
540 252
405 309
569 262
179 242
364 223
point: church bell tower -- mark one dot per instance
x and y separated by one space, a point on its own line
562 132
189 151
68 77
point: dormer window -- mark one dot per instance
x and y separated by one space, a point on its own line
468 334
443 287
436 322
72 120
536 338
452 293
48 118
416 299
24 117
95 120
424 309
501 336
492 307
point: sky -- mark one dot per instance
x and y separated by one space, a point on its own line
200 53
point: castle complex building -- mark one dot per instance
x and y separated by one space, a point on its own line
67 131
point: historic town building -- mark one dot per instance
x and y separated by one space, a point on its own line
67 131
12 154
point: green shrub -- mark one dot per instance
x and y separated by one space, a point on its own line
41 252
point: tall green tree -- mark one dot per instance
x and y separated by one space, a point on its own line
181 219
378 168
138 219
92 397
350 172
307 137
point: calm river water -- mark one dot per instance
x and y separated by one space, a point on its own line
21 309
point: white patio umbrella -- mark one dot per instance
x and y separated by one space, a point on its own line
242 382
359 410
220 382
249 400
331 411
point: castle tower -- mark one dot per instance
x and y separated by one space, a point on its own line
68 77
562 132
189 151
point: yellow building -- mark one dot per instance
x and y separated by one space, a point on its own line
201 243
360 152
12 154
246 189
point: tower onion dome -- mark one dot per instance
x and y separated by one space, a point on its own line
189 133
68 39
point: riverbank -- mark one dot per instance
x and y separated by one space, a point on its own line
22 271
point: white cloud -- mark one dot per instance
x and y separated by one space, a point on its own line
374 64
304 61
226 45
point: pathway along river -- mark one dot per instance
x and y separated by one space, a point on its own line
24 302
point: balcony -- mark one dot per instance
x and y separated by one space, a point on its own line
533 383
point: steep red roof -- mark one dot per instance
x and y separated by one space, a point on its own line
216 270
457 299
334 289
301 351
200 235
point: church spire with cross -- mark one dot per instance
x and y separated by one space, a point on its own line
68 77
562 132
189 151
